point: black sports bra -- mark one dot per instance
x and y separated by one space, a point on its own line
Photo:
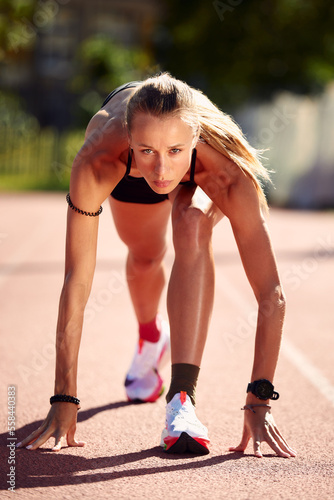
129 85
192 166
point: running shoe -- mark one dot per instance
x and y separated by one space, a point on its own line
143 381
184 433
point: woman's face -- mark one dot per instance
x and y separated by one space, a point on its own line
162 150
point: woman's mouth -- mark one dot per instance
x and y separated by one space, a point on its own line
162 184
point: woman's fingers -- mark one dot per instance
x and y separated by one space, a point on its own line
268 439
257 448
270 434
261 427
32 436
41 440
60 423
71 441
243 443
284 445
59 440
275 446
57 446
76 443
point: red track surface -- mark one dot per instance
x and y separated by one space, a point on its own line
122 458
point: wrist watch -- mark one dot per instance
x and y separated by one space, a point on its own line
262 389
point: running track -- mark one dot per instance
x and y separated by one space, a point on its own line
122 459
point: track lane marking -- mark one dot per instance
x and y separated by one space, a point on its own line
296 357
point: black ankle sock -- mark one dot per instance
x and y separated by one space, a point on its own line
184 378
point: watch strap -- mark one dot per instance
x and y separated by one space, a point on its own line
275 395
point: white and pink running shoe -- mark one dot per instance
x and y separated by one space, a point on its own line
184 433
143 381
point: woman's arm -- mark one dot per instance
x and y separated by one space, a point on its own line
257 255
61 420
95 173
258 259
235 194
253 240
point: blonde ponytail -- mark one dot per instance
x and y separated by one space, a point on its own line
223 134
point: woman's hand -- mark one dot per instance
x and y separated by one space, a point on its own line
259 425
60 423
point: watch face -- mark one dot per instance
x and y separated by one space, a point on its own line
264 389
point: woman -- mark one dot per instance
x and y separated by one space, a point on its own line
187 159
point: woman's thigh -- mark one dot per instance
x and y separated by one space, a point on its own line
142 227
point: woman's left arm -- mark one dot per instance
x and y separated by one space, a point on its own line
240 203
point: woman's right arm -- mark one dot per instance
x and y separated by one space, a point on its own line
80 261
95 173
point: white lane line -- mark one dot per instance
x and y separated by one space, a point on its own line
296 357
311 372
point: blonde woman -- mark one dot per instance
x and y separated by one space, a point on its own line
157 149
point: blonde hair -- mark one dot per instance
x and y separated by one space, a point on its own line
163 95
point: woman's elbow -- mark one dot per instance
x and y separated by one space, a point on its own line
272 299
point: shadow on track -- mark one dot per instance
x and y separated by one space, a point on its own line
44 468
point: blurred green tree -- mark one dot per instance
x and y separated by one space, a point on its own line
17 39
241 49
17 33
102 65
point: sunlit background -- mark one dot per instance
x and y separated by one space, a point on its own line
268 63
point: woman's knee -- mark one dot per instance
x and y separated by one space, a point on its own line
143 261
192 229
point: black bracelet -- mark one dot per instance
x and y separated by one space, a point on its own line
64 399
83 212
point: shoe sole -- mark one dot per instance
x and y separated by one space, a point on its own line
188 444
151 399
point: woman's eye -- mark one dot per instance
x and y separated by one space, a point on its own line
147 151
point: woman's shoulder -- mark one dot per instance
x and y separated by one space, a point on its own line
97 121
230 187
111 117
104 122
106 133
213 165
105 148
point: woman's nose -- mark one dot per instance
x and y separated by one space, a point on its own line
161 166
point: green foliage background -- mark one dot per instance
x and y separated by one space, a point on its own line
102 65
238 50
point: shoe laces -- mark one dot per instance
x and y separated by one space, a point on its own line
186 408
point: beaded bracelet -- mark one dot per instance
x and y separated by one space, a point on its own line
250 407
64 399
83 212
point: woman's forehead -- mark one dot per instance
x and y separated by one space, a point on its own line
145 124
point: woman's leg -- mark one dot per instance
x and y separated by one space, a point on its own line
142 228
189 300
191 286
